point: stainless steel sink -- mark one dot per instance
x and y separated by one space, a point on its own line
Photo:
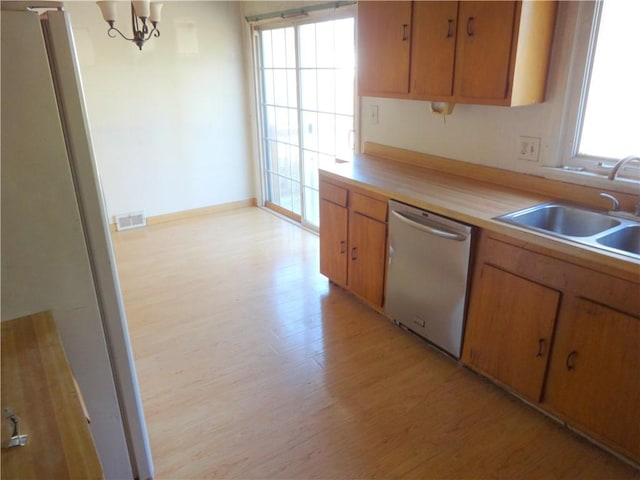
627 239
562 219
588 227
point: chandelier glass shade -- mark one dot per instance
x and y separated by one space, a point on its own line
145 17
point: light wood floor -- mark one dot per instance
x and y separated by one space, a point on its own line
252 366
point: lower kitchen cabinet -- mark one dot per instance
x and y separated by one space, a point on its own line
333 241
594 374
368 238
353 239
563 335
509 330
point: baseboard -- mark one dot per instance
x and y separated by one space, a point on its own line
170 217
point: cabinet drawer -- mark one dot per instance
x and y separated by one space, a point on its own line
333 193
370 207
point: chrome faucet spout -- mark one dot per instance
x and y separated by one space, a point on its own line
621 163
615 204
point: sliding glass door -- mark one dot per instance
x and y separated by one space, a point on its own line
306 75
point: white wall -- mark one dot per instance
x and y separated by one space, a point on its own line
169 124
485 135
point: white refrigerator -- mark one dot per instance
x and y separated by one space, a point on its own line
56 248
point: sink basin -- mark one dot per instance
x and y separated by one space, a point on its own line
626 239
618 234
563 220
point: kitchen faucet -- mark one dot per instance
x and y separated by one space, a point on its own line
615 207
621 163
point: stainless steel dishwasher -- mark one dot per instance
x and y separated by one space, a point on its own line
427 274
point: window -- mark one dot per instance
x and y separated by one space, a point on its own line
305 72
607 104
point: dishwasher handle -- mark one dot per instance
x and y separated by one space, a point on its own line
440 232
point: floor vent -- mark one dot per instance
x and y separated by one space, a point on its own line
130 220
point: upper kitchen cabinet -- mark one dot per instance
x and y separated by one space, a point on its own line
478 52
433 48
502 52
384 48
484 45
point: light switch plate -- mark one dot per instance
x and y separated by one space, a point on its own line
373 114
528 148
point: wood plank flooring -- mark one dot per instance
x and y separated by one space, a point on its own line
251 365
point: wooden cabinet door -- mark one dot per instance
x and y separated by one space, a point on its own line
367 248
484 42
509 329
433 44
333 241
384 37
594 373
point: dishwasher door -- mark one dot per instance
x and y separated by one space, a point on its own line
427 274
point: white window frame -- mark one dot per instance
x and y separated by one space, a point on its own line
253 27
584 43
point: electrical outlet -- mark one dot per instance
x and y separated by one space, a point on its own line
528 148
373 114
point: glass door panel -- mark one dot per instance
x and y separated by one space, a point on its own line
307 109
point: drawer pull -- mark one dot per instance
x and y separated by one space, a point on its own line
541 349
405 37
450 28
354 252
343 246
470 26
570 364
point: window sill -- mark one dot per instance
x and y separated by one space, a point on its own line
590 179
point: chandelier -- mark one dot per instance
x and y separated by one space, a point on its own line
142 13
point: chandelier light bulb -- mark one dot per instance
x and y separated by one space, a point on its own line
156 8
108 10
141 8
141 11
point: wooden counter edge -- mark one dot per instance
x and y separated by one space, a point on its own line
43 394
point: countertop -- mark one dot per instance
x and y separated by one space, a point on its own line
37 385
475 202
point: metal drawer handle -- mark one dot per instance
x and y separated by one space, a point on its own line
541 349
343 246
17 439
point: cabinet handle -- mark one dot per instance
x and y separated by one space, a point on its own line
405 37
470 26
541 349
450 28
354 251
569 362
343 246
